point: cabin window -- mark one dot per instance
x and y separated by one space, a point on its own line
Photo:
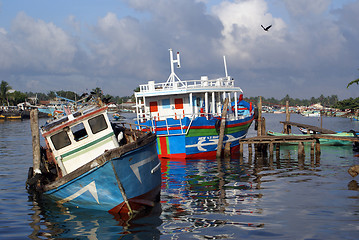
166 103
79 132
153 107
97 124
60 140
198 102
179 103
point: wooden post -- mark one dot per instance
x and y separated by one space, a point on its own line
271 149
227 149
287 114
287 118
241 151
221 130
277 151
36 156
250 150
259 129
317 147
263 132
312 148
301 152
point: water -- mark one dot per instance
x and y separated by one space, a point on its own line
201 199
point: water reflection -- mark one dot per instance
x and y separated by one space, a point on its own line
52 221
198 193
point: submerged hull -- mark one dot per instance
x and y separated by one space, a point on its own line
119 180
199 138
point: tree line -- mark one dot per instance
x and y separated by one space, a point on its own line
10 97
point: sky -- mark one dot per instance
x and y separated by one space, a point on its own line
116 45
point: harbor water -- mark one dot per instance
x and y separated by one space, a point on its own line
257 198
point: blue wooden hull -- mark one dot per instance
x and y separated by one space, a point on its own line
133 177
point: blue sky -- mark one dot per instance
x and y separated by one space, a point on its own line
116 45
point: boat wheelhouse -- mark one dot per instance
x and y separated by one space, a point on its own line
186 115
92 163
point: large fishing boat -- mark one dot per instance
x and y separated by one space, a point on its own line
186 115
89 162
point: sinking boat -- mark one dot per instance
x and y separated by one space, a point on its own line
186 115
89 162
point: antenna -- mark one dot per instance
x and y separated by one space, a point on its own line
173 76
178 60
225 66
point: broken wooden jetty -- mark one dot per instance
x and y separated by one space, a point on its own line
264 142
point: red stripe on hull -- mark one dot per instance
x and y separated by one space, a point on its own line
205 155
163 145
203 127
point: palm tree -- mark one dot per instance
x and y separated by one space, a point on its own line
354 81
4 88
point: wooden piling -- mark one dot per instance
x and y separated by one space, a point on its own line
250 150
287 119
221 131
317 147
312 146
263 132
271 149
34 124
259 120
240 150
227 150
301 152
277 151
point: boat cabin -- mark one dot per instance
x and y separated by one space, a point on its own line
78 138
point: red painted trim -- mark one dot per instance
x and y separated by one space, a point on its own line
205 155
204 127
73 121
163 145
176 155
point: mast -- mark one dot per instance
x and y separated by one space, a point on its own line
172 78
225 66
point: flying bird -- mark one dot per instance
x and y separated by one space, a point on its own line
266 28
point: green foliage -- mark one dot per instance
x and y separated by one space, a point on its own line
4 88
348 104
325 101
16 97
352 82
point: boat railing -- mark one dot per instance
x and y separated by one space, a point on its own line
188 84
133 127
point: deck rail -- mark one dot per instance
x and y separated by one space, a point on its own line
157 87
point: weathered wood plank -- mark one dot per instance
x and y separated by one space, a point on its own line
310 127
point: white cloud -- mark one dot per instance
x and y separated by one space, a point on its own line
302 8
40 46
242 33
311 44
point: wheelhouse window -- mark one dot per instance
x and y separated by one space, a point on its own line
60 140
79 132
97 124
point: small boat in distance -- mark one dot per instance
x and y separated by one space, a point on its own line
186 115
89 162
